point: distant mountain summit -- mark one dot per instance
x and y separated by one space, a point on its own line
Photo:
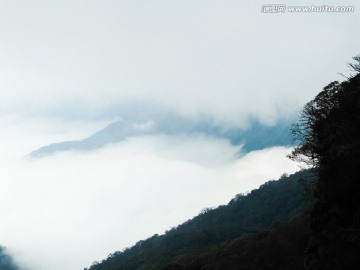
258 136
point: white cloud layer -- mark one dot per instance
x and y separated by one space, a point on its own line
67 210
63 63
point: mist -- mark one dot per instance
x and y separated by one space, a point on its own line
69 209
223 59
70 68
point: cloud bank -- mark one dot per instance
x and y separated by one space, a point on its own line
140 120
69 68
67 210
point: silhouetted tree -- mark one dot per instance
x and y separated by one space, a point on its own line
309 132
356 66
328 134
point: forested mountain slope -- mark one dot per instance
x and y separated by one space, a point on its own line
273 202
329 136
280 248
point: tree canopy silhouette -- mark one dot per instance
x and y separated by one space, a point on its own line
326 119
328 133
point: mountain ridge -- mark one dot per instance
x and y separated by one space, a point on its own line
258 136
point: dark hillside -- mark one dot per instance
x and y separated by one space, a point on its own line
273 202
280 248
329 132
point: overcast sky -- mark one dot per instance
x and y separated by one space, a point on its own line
223 58
68 68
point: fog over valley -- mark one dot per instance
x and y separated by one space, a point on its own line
108 199
122 119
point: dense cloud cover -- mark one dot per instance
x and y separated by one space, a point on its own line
146 121
70 68
93 203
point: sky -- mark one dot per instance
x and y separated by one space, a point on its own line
69 68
